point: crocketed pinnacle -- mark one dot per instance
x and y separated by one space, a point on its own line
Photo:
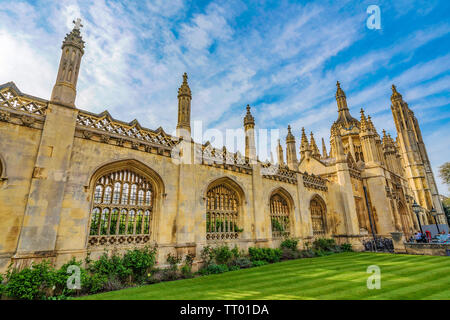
314 148
184 90
324 149
364 124
290 137
249 119
395 94
74 37
339 92
344 116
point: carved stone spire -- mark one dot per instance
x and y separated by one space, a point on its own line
364 124
314 149
344 117
290 137
395 95
339 148
184 109
324 149
250 144
291 155
341 98
249 120
65 89
304 144
280 154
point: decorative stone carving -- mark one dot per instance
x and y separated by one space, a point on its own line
105 138
87 134
27 121
5 116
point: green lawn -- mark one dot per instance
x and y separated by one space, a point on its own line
339 276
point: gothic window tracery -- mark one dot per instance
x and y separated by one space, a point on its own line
318 212
122 205
222 210
279 216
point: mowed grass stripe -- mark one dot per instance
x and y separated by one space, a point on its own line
339 276
281 273
255 280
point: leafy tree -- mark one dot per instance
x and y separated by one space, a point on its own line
444 173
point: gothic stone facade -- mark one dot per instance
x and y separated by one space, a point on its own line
73 182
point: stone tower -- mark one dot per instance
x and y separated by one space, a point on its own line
45 198
314 149
291 155
65 89
184 109
415 158
368 138
249 126
324 149
280 154
305 150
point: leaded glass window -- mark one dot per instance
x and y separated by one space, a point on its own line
279 216
222 209
317 208
122 205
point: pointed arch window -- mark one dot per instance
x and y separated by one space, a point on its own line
279 216
318 211
122 206
222 211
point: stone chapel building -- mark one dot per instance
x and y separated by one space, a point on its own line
73 182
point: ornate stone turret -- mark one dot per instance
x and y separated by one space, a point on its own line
416 163
344 117
314 149
65 89
305 149
324 149
280 154
291 155
249 126
339 148
378 144
368 138
184 109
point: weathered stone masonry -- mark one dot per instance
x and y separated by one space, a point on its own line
73 182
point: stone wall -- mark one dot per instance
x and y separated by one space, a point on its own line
430 249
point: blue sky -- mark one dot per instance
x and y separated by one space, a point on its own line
281 57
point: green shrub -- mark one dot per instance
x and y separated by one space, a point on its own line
236 253
96 282
214 269
308 253
233 268
259 263
107 266
2 285
346 247
291 244
62 276
241 262
207 255
325 245
171 273
31 283
139 262
266 254
222 255
186 269
289 254
321 253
